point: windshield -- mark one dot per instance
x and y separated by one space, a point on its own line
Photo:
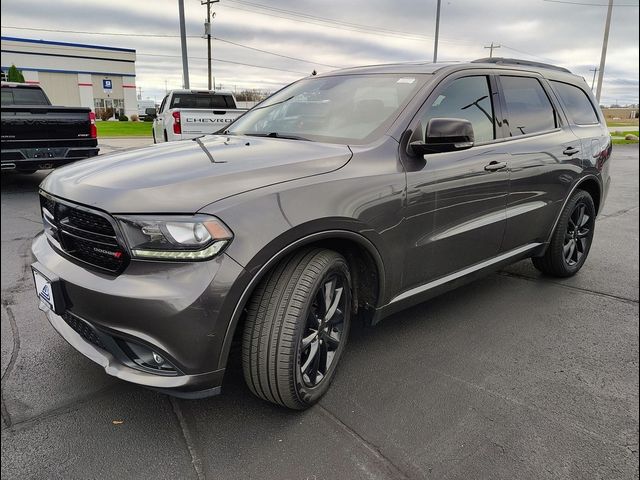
340 109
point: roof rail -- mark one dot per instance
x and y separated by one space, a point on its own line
517 61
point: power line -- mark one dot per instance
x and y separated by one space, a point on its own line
593 4
111 34
157 35
318 18
546 59
273 53
222 61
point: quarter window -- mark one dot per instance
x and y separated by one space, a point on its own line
577 103
468 98
529 109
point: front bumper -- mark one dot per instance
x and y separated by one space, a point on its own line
179 310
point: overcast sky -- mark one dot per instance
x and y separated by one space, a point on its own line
359 32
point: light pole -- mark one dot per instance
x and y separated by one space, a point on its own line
603 56
435 42
183 44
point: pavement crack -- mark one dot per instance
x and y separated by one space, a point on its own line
61 410
196 461
396 471
571 287
12 360
617 213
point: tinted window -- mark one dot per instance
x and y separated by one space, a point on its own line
468 98
23 96
528 107
577 103
206 100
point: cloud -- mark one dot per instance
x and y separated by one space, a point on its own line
568 35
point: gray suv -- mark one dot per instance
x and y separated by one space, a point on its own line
349 195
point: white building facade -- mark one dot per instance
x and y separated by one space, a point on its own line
77 75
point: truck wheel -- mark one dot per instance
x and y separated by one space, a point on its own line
153 134
296 328
166 137
571 240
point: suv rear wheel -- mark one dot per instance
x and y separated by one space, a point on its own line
571 240
296 328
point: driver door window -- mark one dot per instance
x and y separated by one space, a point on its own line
468 98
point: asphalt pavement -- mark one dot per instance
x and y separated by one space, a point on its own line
515 376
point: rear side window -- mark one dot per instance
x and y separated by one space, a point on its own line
529 110
205 101
577 103
23 96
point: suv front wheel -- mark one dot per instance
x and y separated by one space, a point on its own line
296 328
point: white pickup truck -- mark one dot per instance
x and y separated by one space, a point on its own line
187 114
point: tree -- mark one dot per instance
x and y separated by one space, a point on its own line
15 75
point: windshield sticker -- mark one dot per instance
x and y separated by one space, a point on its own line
406 80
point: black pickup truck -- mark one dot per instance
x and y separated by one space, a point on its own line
37 135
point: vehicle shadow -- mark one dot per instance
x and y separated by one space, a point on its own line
16 182
236 421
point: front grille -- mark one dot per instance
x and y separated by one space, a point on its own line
83 329
84 235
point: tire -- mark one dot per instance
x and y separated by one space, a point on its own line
281 316
153 134
569 246
166 137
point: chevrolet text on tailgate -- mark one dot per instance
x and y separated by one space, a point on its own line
186 114
346 195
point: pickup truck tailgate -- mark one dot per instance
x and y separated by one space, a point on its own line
44 123
203 121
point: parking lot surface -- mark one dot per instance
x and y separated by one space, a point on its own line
513 376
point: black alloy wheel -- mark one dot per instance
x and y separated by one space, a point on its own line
571 240
296 328
323 331
577 238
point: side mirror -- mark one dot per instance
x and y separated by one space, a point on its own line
445 135
150 112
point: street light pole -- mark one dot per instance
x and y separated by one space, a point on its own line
183 44
435 42
603 56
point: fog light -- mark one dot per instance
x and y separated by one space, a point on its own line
147 358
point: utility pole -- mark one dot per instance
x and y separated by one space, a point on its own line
593 81
435 42
207 32
491 47
183 44
603 56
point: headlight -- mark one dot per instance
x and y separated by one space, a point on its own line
198 237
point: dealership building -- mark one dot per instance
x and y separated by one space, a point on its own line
75 74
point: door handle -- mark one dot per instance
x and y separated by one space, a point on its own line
495 166
570 151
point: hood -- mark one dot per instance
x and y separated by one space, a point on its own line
180 177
